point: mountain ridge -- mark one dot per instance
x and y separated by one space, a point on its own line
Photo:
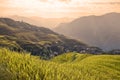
99 31
38 40
40 21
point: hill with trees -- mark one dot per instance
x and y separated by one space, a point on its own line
21 36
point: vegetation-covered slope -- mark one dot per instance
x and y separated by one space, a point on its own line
74 66
37 40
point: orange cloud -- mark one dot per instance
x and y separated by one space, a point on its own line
58 8
65 0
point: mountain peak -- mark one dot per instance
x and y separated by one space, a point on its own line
112 13
102 31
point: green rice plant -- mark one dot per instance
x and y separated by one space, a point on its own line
69 66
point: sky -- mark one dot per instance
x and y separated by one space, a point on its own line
58 8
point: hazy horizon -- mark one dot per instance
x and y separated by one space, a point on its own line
51 13
57 8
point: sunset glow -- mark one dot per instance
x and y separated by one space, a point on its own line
58 8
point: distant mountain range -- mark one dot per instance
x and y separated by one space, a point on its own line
39 21
102 31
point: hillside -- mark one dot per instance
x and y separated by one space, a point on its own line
37 40
101 31
74 66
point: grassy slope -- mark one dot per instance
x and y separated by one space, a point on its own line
72 66
9 42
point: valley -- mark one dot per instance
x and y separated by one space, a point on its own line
59 39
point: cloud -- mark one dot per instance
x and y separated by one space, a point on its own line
54 8
3 1
55 1
65 0
108 3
